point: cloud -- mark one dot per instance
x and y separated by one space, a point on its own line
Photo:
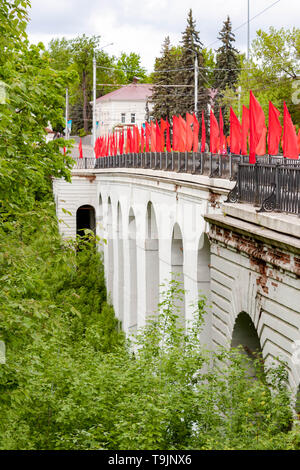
141 27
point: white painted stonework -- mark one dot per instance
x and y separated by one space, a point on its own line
154 223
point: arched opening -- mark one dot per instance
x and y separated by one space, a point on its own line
120 265
132 272
85 219
245 336
203 267
177 260
100 209
152 263
110 249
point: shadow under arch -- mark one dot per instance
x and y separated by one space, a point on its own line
152 262
85 219
177 263
110 249
203 266
245 336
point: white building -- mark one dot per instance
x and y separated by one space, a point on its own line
123 107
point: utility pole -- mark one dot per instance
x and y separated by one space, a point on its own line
248 34
196 84
94 99
67 114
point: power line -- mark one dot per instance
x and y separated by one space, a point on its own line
246 22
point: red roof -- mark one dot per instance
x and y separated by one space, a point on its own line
132 92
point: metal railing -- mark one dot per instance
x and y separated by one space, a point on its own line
212 165
272 187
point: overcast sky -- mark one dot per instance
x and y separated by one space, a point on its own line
141 26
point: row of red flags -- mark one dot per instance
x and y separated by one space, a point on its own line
251 130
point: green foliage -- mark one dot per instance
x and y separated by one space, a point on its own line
272 73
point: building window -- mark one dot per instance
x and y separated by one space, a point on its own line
132 118
123 116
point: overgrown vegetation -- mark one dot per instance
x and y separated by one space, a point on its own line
71 380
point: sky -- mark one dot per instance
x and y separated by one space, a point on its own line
141 27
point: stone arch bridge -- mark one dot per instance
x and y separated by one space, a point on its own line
159 224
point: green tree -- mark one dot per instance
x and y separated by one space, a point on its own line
163 78
191 45
129 66
273 71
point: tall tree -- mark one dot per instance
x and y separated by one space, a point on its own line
164 79
191 46
227 66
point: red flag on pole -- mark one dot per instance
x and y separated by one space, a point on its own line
142 140
80 149
257 126
203 134
299 141
235 133
275 130
290 141
153 137
168 141
222 136
182 134
163 127
214 134
148 133
196 128
158 137
245 130
189 132
175 133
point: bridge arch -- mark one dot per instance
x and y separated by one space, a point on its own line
203 266
177 265
152 261
132 251
85 219
110 248
245 335
120 270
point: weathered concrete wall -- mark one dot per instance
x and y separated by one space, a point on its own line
256 269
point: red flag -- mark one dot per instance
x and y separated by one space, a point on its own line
299 141
235 133
214 134
257 126
245 130
189 132
182 134
261 148
175 133
148 133
290 141
136 139
196 127
163 127
158 137
275 130
153 137
142 140
222 136
65 151
203 134
121 143
168 141
80 149
129 141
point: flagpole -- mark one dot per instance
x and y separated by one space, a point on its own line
67 114
248 33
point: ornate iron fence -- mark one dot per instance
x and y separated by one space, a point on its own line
272 187
212 165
